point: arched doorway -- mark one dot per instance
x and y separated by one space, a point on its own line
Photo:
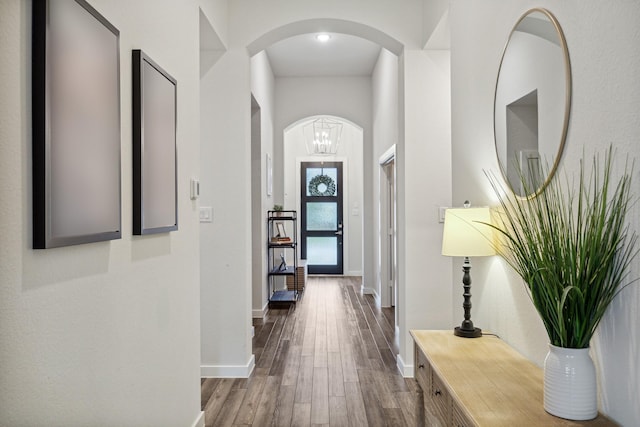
350 159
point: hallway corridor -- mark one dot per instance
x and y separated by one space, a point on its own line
330 361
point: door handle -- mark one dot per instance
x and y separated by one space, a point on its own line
338 233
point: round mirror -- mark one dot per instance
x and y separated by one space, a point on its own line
532 102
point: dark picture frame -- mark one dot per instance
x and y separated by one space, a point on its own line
75 125
155 166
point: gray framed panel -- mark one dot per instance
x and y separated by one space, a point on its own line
155 195
76 125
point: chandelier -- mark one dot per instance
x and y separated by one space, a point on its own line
322 136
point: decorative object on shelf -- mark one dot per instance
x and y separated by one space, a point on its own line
532 100
155 176
277 210
280 237
280 231
283 263
322 185
75 125
466 235
322 136
573 249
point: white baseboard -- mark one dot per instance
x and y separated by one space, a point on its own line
353 273
260 314
370 291
405 370
228 371
199 422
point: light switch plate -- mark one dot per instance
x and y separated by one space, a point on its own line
206 214
441 212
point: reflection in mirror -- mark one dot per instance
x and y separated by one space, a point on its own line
532 102
523 146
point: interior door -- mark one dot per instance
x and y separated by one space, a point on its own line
321 225
389 170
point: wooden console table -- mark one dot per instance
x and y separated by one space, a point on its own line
481 382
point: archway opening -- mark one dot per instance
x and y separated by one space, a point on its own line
350 157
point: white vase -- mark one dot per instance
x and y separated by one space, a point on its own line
570 389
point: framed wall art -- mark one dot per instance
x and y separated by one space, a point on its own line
76 125
155 208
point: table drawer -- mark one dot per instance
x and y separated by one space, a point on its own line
422 371
441 399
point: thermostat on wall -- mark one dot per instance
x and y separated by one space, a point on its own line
195 188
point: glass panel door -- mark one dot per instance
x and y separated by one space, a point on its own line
321 220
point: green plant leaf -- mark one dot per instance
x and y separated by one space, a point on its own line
571 245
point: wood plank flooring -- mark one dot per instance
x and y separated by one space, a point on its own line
328 361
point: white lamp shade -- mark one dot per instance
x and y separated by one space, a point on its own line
465 235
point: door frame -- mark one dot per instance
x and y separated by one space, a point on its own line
345 197
383 235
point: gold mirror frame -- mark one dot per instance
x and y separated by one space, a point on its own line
567 103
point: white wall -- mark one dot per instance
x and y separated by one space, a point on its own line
424 183
104 333
350 154
602 40
225 244
262 88
250 20
384 83
346 97
433 14
217 12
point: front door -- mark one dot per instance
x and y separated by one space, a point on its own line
321 227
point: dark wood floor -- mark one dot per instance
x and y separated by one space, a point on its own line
330 361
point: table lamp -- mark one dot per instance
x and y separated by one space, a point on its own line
465 236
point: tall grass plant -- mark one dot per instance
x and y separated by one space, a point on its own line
571 245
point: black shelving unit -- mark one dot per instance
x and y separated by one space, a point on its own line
279 222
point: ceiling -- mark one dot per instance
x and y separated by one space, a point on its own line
304 56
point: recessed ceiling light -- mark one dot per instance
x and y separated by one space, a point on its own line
323 38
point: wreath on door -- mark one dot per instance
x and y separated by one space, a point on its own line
322 185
